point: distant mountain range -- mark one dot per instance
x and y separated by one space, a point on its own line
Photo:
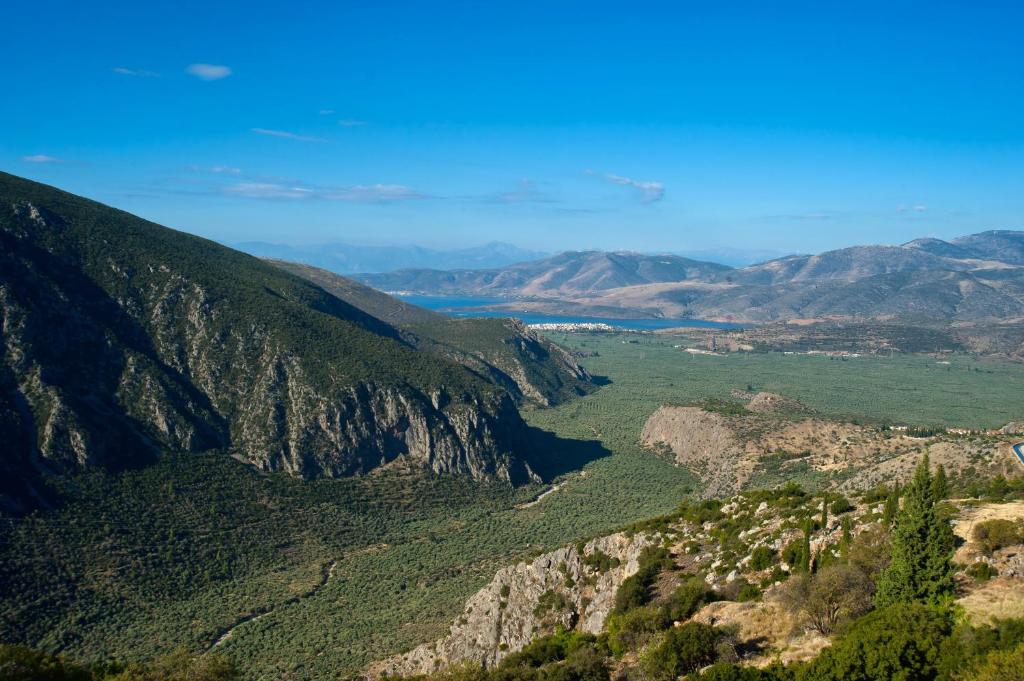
975 278
342 258
123 340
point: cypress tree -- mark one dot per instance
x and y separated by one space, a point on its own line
805 553
847 539
940 484
922 546
892 505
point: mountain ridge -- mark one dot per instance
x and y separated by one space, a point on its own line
191 346
975 278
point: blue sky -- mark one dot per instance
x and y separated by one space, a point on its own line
673 126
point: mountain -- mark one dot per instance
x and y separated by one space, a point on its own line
1002 245
122 339
565 274
534 370
976 278
344 258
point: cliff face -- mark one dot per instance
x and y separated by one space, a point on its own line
122 338
561 588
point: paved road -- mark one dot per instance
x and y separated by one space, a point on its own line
1018 449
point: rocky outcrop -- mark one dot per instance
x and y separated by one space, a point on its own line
700 440
529 599
122 339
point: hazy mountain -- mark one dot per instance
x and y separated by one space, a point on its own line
123 339
347 258
973 278
565 274
1002 245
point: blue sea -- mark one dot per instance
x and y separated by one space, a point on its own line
459 306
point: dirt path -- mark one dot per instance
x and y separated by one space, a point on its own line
536 500
326 573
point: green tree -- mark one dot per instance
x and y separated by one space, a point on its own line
922 546
940 484
892 505
846 540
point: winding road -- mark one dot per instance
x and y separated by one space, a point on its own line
326 572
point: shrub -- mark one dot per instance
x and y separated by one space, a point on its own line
992 535
1001 665
688 599
762 558
684 650
600 561
632 629
901 642
981 571
840 506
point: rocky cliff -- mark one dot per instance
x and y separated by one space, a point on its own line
570 587
122 338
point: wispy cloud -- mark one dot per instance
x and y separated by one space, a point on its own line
649 191
326 112
42 158
284 134
138 73
217 170
526 192
916 209
801 216
373 193
351 122
208 71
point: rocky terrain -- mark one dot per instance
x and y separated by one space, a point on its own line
743 549
573 587
771 432
122 339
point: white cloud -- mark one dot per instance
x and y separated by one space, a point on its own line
917 209
649 191
374 193
287 135
266 190
139 73
41 158
208 71
225 170
350 122
326 112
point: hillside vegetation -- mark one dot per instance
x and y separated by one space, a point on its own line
534 370
123 338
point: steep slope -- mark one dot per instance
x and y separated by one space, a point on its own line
570 273
122 338
503 351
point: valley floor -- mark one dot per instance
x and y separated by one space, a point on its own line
224 543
